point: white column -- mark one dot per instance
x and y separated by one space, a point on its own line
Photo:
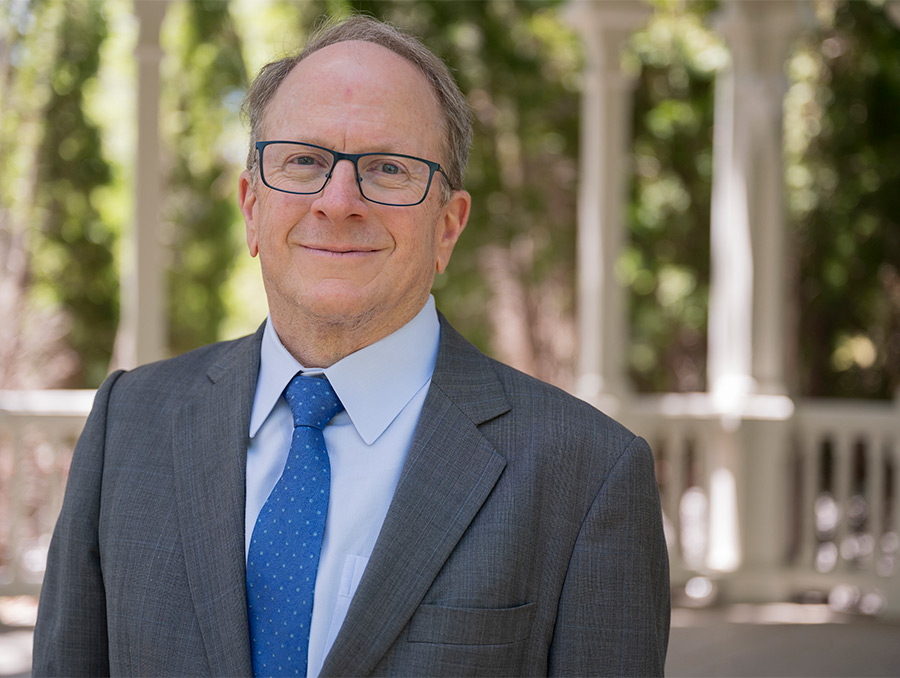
605 139
748 286
747 333
141 336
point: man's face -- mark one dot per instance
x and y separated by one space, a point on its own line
333 258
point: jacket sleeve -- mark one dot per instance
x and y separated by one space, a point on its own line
613 615
70 636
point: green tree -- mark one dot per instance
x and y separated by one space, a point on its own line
847 235
205 77
24 76
73 259
666 264
511 284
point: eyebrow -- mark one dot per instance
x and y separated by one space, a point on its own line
390 147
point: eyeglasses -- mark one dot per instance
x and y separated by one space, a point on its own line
383 178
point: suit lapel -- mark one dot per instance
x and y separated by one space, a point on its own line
449 472
210 450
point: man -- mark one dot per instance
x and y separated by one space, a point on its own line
476 521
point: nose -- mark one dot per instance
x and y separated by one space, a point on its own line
341 197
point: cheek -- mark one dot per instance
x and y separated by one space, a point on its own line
420 246
276 219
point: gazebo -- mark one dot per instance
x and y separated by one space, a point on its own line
766 497
762 493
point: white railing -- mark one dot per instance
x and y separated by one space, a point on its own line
686 432
768 501
816 485
38 430
847 502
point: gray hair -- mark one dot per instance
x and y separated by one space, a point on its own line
455 109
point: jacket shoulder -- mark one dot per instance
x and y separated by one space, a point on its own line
549 402
527 396
180 373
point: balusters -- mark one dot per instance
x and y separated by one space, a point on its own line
894 520
841 482
811 485
15 499
675 484
875 493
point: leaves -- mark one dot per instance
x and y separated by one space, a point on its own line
73 260
666 264
847 233
64 170
205 78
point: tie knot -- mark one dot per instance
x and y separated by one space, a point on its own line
312 401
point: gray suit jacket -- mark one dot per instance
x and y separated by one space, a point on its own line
524 537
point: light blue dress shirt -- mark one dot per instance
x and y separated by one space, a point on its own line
382 388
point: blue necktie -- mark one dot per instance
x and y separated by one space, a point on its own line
287 538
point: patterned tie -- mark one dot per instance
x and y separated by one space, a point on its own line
287 538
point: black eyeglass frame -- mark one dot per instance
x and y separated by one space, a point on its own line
353 158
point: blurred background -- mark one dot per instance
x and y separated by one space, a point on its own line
685 212
68 73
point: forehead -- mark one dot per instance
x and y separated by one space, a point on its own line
355 94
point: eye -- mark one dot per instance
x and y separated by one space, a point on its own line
305 160
384 167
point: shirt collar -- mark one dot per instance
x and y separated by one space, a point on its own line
374 384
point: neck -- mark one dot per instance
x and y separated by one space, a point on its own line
320 343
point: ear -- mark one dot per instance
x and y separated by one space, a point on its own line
453 219
247 201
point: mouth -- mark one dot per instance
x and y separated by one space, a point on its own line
341 250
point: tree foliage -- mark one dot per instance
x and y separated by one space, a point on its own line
76 249
847 234
205 83
666 264
60 269
511 283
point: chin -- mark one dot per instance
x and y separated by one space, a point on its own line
338 307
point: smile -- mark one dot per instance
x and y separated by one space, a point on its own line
339 251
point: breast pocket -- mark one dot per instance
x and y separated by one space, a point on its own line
470 626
